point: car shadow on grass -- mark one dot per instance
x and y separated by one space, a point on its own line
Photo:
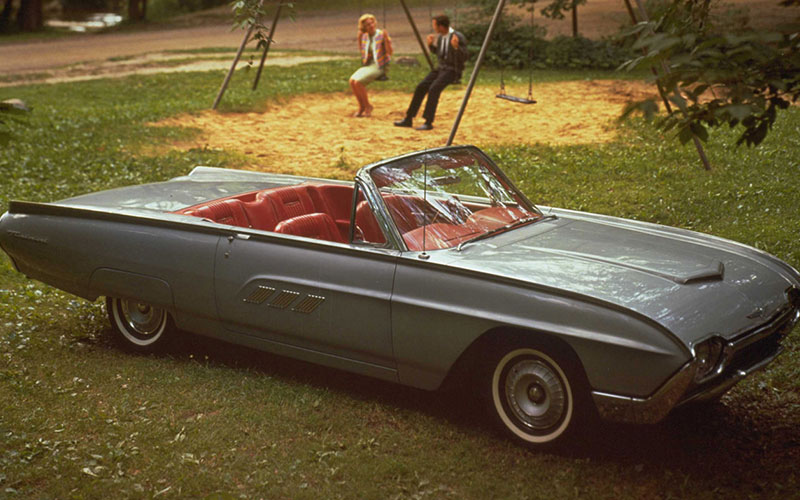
725 443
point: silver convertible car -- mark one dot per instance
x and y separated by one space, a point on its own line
428 266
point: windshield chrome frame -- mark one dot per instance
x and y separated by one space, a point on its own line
381 211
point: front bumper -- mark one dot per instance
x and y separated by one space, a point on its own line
743 355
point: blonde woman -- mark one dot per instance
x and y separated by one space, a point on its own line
375 47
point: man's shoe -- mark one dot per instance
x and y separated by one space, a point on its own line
425 126
405 122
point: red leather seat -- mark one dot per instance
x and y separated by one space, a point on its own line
290 201
318 225
261 213
401 209
223 212
366 221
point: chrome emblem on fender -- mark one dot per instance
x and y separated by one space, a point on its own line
308 304
283 299
259 295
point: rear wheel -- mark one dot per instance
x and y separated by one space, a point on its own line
138 326
533 394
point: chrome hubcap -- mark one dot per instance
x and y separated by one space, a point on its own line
535 394
142 319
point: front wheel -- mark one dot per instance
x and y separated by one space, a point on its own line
532 395
138 326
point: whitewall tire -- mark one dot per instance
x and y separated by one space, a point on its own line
138 326
532 397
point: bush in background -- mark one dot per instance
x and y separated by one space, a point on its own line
516 44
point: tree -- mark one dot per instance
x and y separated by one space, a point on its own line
137 10
556 8
5 16
553 10
29 15
739 78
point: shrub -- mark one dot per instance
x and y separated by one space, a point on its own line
517 45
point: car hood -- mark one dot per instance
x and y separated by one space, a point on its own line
692 284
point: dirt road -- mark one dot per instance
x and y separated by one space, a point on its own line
330 31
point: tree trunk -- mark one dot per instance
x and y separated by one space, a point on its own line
29 16
5 16
575 19
137 10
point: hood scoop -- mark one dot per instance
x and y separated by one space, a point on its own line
712 271
665 258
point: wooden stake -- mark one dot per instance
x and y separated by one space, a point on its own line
679 101
269 43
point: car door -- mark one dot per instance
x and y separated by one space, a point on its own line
317 300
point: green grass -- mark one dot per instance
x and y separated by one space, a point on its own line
81 419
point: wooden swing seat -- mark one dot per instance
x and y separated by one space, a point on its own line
513 98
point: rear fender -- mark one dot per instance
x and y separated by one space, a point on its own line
123 284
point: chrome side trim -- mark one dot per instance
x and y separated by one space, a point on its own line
616 408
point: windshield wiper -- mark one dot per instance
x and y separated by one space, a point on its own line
502 229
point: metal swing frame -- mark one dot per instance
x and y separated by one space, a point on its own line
513 98
280 4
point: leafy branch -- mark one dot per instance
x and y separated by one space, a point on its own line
725 77
251 14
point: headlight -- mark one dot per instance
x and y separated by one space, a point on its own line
707 356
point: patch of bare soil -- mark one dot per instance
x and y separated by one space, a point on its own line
152 63
315 135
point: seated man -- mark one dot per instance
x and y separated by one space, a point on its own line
451 50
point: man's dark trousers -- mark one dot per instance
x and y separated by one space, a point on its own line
433 85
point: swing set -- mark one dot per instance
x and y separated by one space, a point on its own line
521 100
476 69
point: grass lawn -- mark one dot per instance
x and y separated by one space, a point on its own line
82 419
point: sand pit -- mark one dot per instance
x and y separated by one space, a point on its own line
315 135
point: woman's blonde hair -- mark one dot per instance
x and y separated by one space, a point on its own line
363 19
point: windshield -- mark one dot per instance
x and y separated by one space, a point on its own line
441 199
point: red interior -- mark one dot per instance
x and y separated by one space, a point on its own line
317 225
280 210
440 236
322 211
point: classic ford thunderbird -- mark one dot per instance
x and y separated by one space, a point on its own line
429 265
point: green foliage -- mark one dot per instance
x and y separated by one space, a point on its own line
518 42
582 53
556 8
518 45
513 45
11 111
256 16
727 76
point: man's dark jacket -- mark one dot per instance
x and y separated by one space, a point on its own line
451 58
